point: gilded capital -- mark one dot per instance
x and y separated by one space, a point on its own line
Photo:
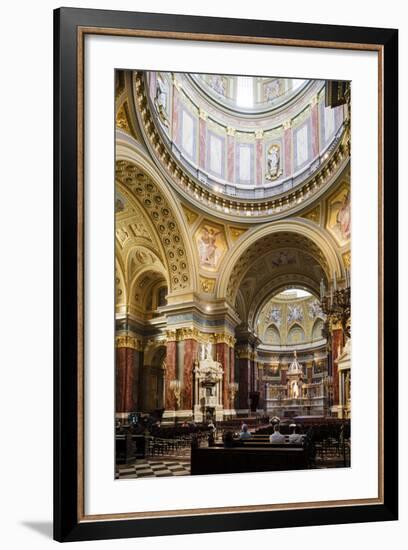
126 341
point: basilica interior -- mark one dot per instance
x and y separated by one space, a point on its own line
232 274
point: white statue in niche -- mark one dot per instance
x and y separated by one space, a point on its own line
161 101
273 170
206 351
295 389
218 83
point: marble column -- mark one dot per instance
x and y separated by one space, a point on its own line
190 355
230 154
222 355
171 365
337 345
287 142
175 120
315 128
127 374
243 390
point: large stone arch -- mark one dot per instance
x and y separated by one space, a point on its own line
239 260
141 178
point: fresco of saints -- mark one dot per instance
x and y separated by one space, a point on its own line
207 247
343 217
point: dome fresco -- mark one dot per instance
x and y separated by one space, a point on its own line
246 94
245 153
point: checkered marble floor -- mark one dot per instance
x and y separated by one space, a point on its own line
154 468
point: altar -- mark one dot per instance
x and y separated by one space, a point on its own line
296 397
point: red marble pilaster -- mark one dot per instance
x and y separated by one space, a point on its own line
337 345
230 157
126 378
190 355
222 355
171 365
175 121
315 129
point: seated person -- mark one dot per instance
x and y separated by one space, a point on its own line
244 434
294 436
276 437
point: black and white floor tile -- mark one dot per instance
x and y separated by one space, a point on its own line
154 468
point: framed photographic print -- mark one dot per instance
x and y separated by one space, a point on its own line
225 274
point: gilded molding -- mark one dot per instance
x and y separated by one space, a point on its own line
313 215
126 341
207 285
122 119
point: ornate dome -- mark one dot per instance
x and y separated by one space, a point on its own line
243 146
246 95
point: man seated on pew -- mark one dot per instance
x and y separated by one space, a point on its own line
244 433
276 437
295 437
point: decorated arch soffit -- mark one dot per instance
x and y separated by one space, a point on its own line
156 218
295 233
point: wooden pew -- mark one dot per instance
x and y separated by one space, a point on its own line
220 460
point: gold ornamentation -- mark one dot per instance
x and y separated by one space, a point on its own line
126 341
313 215
259 133
158 209
231 131
236 232
191 216
122 119
171 335
347 260
207 285
225 338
